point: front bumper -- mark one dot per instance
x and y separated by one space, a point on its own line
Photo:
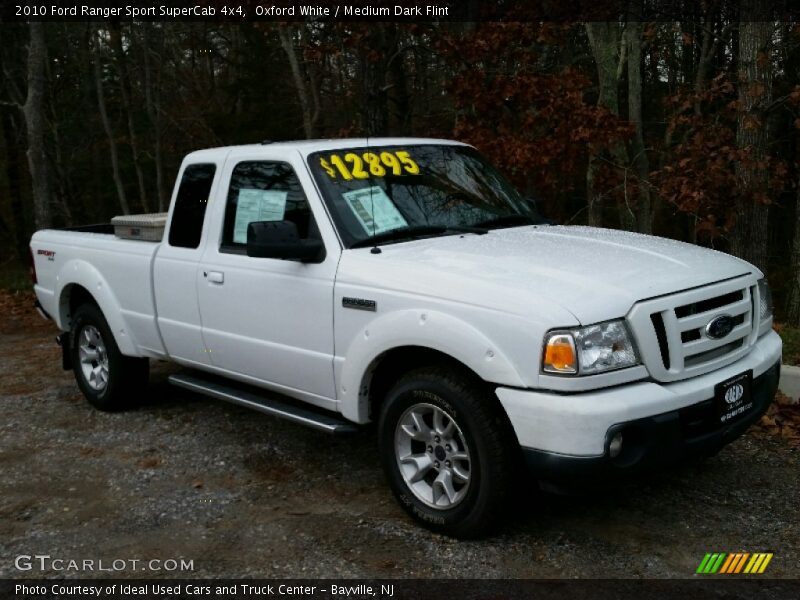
568 434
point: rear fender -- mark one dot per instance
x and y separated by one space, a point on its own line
81 273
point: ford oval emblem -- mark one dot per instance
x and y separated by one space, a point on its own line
719 327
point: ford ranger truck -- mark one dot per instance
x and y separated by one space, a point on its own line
405 282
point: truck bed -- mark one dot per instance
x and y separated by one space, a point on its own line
95 228
105 265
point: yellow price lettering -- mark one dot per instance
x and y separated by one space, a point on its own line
352 166
374 162
409 164
391 161
328 168
358 165
339 164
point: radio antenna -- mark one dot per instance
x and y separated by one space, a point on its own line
375 249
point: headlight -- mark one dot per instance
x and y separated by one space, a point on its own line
765 311
589 350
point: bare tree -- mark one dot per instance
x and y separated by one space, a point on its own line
112 144
33 110
14 170
373 53
153 104
609 51
639 154
793 303
310 115
749 236
125 91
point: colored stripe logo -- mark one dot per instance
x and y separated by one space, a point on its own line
732 563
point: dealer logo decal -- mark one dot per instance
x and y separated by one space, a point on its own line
734 394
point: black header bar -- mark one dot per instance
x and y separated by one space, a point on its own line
403 11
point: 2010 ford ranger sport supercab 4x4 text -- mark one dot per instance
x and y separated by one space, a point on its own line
405 282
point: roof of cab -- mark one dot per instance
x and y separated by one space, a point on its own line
306 147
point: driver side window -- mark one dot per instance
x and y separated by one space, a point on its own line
264 191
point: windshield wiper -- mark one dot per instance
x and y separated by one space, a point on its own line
415 231
507 221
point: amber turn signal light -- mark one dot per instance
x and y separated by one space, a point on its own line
559 354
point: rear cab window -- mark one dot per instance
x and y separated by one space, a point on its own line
186 227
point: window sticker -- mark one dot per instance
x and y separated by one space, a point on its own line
374 210
257 205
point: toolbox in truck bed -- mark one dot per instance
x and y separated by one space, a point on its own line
148 227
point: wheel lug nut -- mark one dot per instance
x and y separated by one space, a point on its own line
436 439
436 464
447 464
448 448
430 448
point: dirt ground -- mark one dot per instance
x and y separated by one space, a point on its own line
245 495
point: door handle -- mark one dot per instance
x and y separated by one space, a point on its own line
215 276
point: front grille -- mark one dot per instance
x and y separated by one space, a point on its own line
661 336
671 330
696 334
698 359
702 306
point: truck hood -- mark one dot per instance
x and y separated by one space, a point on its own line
595 274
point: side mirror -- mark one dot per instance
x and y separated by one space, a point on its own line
279 239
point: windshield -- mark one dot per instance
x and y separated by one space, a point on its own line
384 192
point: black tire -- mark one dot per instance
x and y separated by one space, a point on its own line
493 449
127 376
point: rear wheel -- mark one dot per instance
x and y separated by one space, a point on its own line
109 380
448 451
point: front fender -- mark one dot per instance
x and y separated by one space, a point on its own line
80 272
424 328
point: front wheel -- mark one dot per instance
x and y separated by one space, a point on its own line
448 451
109 380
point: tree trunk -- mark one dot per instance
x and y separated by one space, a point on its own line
644 223
287 42
604 38
312 73
61 174
35 123
14 176
112 144
793 303
374 97
153 102
749 235
125 90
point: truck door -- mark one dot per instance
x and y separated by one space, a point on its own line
269 321
176 263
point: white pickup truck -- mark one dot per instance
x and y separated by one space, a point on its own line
405 282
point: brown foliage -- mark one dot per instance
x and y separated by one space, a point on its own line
528 114
19 314
782 419
699 175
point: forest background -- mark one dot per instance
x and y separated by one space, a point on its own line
685 127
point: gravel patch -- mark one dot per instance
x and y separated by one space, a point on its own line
245 495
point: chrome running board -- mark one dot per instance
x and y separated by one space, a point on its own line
230 392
